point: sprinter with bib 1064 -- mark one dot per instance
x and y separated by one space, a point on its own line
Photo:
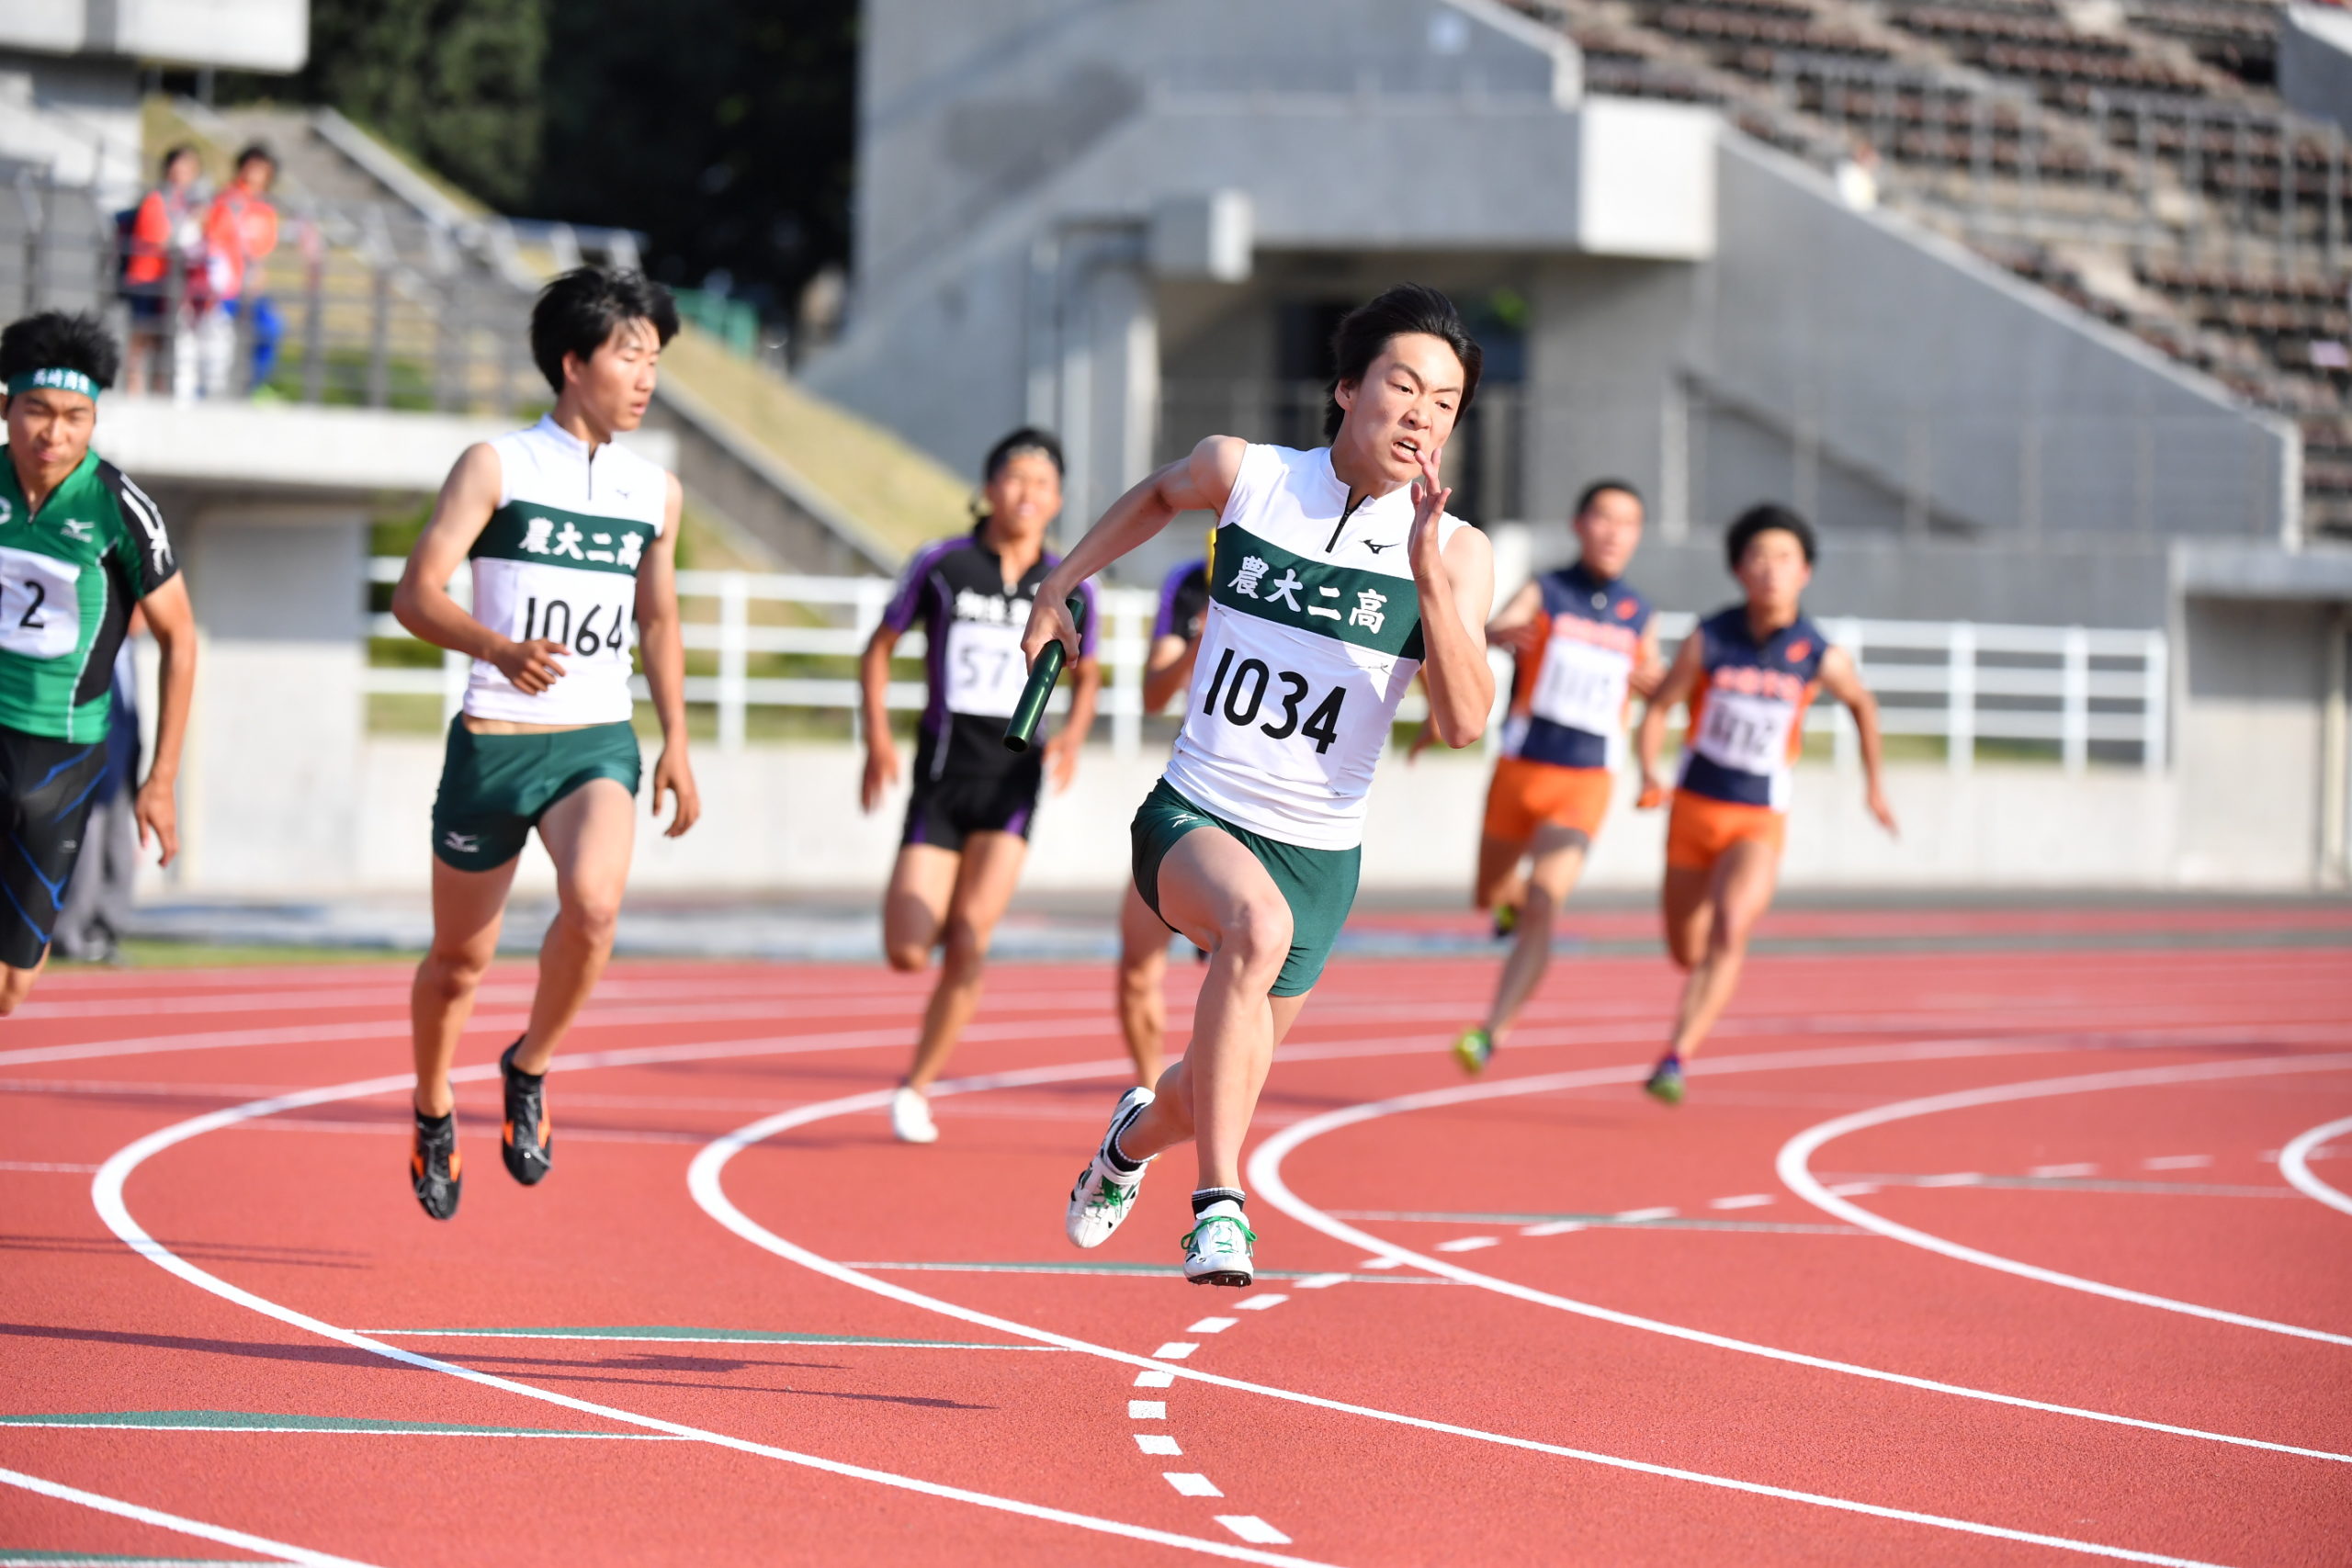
1338 576
1749 673
81 546
573 543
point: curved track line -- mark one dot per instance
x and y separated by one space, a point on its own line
162 1520
2294 1164
105 1193
705 1178
1796 1172
1266 1177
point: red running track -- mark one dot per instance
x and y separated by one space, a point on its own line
1531 1319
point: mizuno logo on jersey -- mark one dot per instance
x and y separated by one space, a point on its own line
463 843
1375 549
77 529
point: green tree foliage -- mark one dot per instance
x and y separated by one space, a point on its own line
722 128
458 82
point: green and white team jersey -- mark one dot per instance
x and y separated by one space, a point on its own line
1312 638
70 575
559 559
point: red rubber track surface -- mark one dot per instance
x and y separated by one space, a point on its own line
2167 1187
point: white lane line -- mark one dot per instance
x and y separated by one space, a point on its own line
1951 1179
1190 1483
1158 1443
1174 1350
2294 1164
1148 1379
1260 1303
705 1180
42 1164
1250 1526
2080 1169
1855 1189
162 1520
2177 1162
1381 1263
1147 1410
1321 1282
1265 1176
1745 1201
1213 1325
1469 1243
1795 1168
107 1193
1552 1227
1639 1216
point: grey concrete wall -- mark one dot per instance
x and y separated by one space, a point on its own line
2315 62
2249 740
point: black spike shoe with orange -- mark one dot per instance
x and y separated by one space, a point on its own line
433 1166
527 1144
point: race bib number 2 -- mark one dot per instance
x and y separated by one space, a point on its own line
40 604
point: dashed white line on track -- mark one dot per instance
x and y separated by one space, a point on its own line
2177 1162
1147 1410
2076 1170
1174 1350
1190 1483
1744 1201
1552 1227
1148 1379
1156 1443
1261 1302
49 1165
1469 1243
1213 1325
1253 1529
1636 1216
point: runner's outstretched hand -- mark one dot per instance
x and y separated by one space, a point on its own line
531 666
672 773
881 770
1428 504
1883 812
1061 760
158 813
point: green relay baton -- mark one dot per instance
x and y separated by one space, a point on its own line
1021 728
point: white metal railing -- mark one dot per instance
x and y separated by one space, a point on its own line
1962 682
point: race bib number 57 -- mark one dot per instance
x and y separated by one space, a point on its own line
984 666
40 604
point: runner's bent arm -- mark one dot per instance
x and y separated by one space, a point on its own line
1681 680
662 650
1513 626
172 621
1457 587
1845 682
874 694
1201 482
422 602
1649 669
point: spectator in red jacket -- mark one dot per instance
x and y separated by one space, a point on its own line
239 230
164 264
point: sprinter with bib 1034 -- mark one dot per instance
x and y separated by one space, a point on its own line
81 547
1749 673
1339 577
573 543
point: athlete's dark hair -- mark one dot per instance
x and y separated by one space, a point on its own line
172 155
1363 332
252 150
1764 519
56 340
1028 439
1599 488
578 312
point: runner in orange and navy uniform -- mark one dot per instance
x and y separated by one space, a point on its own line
1585 646
1749 673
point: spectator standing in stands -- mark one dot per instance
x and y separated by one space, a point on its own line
239 230
161 269
98 896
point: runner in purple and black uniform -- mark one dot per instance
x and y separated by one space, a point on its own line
968 819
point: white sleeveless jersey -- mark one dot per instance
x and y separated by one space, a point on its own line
559 559
1312 637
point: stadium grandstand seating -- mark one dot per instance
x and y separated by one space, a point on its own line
2132 156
